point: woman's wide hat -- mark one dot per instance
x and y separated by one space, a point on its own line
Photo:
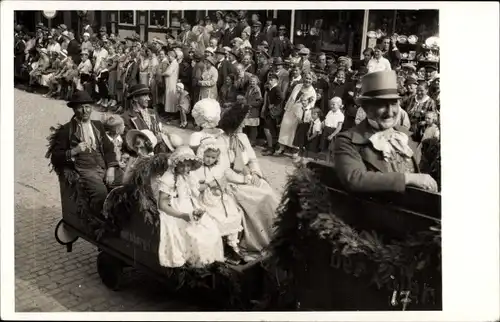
146 134
138 89
379 86
80 98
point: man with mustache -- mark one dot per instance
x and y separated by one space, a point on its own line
81 145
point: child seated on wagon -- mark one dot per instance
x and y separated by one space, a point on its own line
142 143
187 234
215 199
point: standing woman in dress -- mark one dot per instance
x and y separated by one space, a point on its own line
113 75
143 67
208 82
170 77
152 71
289 124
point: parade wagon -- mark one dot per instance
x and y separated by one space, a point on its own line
333 250
127 236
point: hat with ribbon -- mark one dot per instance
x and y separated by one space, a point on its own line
211 60
146 134
62 27
138 89
379 86
79 98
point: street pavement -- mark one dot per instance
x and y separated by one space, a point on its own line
49 279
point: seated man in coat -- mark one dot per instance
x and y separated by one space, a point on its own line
82 145
139 117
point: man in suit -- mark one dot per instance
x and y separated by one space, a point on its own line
359 165
263 68
131 73
73 47
231 32
223 67
283 74
82 145
140 117
270 30
281 46
272 112
257 37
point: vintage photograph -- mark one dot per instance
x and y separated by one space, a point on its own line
227 160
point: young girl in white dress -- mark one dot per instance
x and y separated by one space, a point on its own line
187 234
214 197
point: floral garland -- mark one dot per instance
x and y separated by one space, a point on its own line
305 212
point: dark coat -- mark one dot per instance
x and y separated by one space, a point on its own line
360 167
257 39
270 32
67 137
132 76
280 48
224 68
230 35
134 120
74 51
185 73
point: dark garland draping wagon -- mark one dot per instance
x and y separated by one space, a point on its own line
346 251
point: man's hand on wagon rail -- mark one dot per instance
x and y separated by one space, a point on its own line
422 181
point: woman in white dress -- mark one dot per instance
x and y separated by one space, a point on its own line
253 193
170 77
290 121
187 234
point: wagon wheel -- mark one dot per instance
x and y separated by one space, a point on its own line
110 271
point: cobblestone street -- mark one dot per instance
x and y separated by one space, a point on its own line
47 277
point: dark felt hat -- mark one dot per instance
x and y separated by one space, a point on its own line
138 89
220 51
278 61
79 98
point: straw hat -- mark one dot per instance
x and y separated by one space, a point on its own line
379 86
146 134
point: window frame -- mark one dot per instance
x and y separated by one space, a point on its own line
127 24
167 13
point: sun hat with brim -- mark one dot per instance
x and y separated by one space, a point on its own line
138 89
304 51
79 98
211 61
182 154
44 51
146 134
379 86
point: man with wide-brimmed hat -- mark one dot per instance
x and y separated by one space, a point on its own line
82 146
140 117
377 155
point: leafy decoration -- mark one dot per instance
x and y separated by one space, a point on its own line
306 213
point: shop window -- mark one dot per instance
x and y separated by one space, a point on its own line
127 18
158 18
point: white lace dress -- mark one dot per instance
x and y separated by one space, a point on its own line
196 243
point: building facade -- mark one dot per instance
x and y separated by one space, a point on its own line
331 31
